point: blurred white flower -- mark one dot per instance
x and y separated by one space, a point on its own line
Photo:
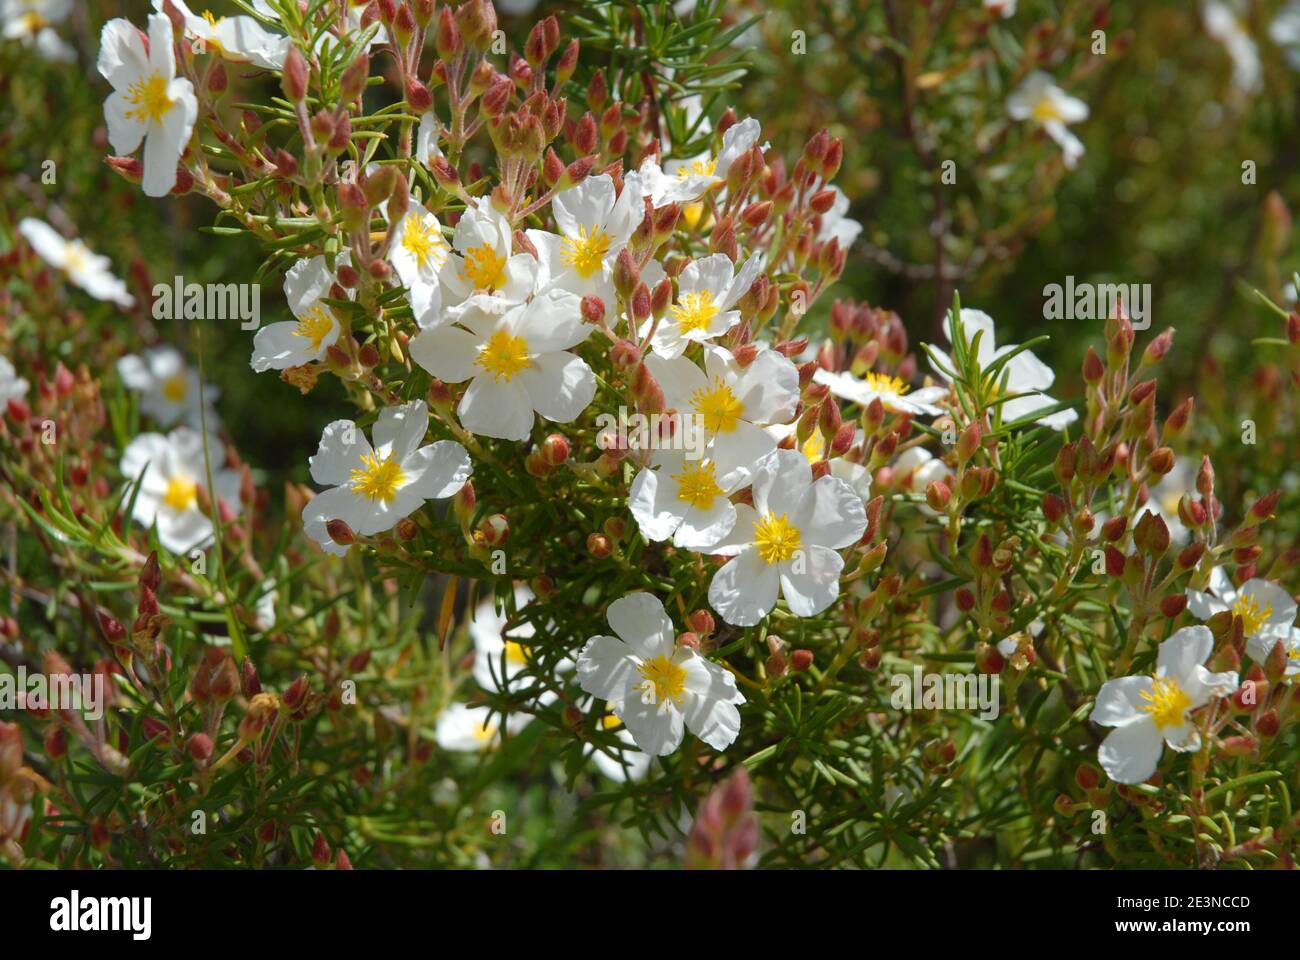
12 386
1224 23
1003 8
31 22
466 729
171 469
169 390
1285 32
836 223
1042 101
90 271
240 39
894 393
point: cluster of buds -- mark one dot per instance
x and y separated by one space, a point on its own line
19 786
725 833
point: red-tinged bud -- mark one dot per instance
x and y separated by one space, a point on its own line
497 98
463 503
1161 461
184 182
822 201
19 411
1002 602
1205 480
1277 662
552 167
1191 555
353 82
843 439
56 743
801 661
756 214
640 304
217 80
154 728
380 269
295 698
294 79
1293 327
1087 776
688 639
661 297
286 165
535 46
418 96
597 92
887 446
1176 423
555 449
1267 725
599 546
828 418
624 354
1174 604
1114 562
406 530
821 468
626 275
1093 368
701 622
1141 391
447 39
320 851
368 356
1263 508
746 353
982 553
965 600
938 496
1157 348
343 861
353 205
340 532
494 530
249 684
568 61
988 660
969 441
113 631
833 159
199 747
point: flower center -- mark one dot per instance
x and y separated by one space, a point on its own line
665 679
586 252
485 268
175 388
814 448
1046 110
315 325
610 722
150 99
697 485
504 356
1166 702
377 479
884 383
423 240
483 732
698 168
777 538
719 407
695 311
74 256
182 493
515 653
1253 616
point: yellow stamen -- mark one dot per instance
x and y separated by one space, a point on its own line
377 479
150 99
666 679
814 448
423 240
697 485
484 732
1253 616
504 356
182 493
175 388
315 325
610 722
516 653
698 168
485 268
1046 110
719 407
1166 702
586 252
777 538
695 311
884 383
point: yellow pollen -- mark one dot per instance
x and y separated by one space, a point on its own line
150 99
484 732
610 722
666 679
719 407
695 311
175 388
516 653
586 252
182 493
698 168
1045 110
1253 616
377 479
697 485
1166 702
315 325
504 356
777 538
33 22
884 383
692 213
423 240
814 448
485 268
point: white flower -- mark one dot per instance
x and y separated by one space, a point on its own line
707 290
595 227
426 265
733 404
682 498
489 278
1224 24
1042 101
500 656
90 271
169 390
239 39
1285 32
656 688
292 343
893 392
354 11
466 729
681 181
916 468
264 608
1025 373
374 487
786 542
12 386
171 469
1003 8
516 363
1267 611
31 22
837 224
1148 712
149 102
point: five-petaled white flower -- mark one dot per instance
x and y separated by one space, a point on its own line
426 266
707 290
681 181
1285 32
239 39
88 270
655 687
595 226
169 389
374 487
501 654
1267 611
1025 376
12 386
31 22
149 102
787 542
517 362
489 279
894 393
732 404
292 343
1042 101
170 470
466 729
1149 712
683 498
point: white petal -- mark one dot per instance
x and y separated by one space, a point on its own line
607 669
639 619
744 591
1131 753
810 580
